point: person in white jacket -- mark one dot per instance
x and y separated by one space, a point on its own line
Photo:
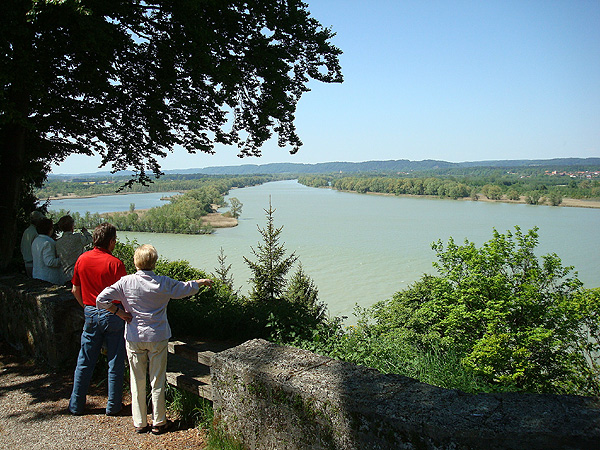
46 263
27 239
145 295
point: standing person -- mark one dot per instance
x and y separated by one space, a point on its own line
29 235
70 245
145 296
95 270
46 263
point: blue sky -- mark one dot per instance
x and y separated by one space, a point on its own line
448 80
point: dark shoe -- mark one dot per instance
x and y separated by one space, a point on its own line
142 430
160 429
74 413
121 412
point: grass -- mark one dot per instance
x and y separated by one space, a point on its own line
198 412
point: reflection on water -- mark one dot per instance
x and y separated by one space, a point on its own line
360 249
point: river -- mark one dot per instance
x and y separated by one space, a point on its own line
358 248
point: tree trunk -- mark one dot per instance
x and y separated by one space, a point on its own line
12 141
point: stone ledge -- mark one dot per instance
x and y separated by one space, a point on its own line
275 397
42 320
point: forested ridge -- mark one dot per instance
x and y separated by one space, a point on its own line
550 179
183 214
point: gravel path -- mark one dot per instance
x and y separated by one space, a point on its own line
33 415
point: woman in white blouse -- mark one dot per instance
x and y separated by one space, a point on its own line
145 295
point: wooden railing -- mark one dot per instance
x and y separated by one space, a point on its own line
188 366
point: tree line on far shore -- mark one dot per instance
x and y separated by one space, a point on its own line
90 186
184 213
536 188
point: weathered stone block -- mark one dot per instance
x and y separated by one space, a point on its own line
275 397
43 320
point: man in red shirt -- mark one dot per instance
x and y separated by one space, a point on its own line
95 270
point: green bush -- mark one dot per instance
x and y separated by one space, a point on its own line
515 319
124 251
363 344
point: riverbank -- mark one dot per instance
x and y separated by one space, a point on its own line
566 202
218 220
214 219
74 196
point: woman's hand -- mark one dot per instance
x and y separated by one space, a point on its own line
124 315
205 282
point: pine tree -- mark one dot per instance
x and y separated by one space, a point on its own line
303 292
272 265
222 272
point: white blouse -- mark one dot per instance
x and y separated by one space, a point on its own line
145 296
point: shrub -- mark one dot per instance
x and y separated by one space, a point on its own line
515 320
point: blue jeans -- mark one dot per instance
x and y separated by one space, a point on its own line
100 326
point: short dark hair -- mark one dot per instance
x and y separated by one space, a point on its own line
65 223
103 234
44 226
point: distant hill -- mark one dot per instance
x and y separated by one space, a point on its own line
329 167
400 165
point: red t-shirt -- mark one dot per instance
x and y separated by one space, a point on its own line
95 270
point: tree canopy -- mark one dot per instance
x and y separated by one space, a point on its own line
130 79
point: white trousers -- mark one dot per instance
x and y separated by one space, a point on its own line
151 358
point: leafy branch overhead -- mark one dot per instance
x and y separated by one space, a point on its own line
129 79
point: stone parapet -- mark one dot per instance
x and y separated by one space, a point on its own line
42 320
275 397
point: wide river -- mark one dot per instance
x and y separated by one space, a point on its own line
358 248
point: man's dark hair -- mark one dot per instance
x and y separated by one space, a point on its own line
44 226
103 234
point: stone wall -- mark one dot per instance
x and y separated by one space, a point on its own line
42 320
274 397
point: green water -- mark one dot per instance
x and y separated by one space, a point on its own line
360 249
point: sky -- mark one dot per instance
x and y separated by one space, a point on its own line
446 80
